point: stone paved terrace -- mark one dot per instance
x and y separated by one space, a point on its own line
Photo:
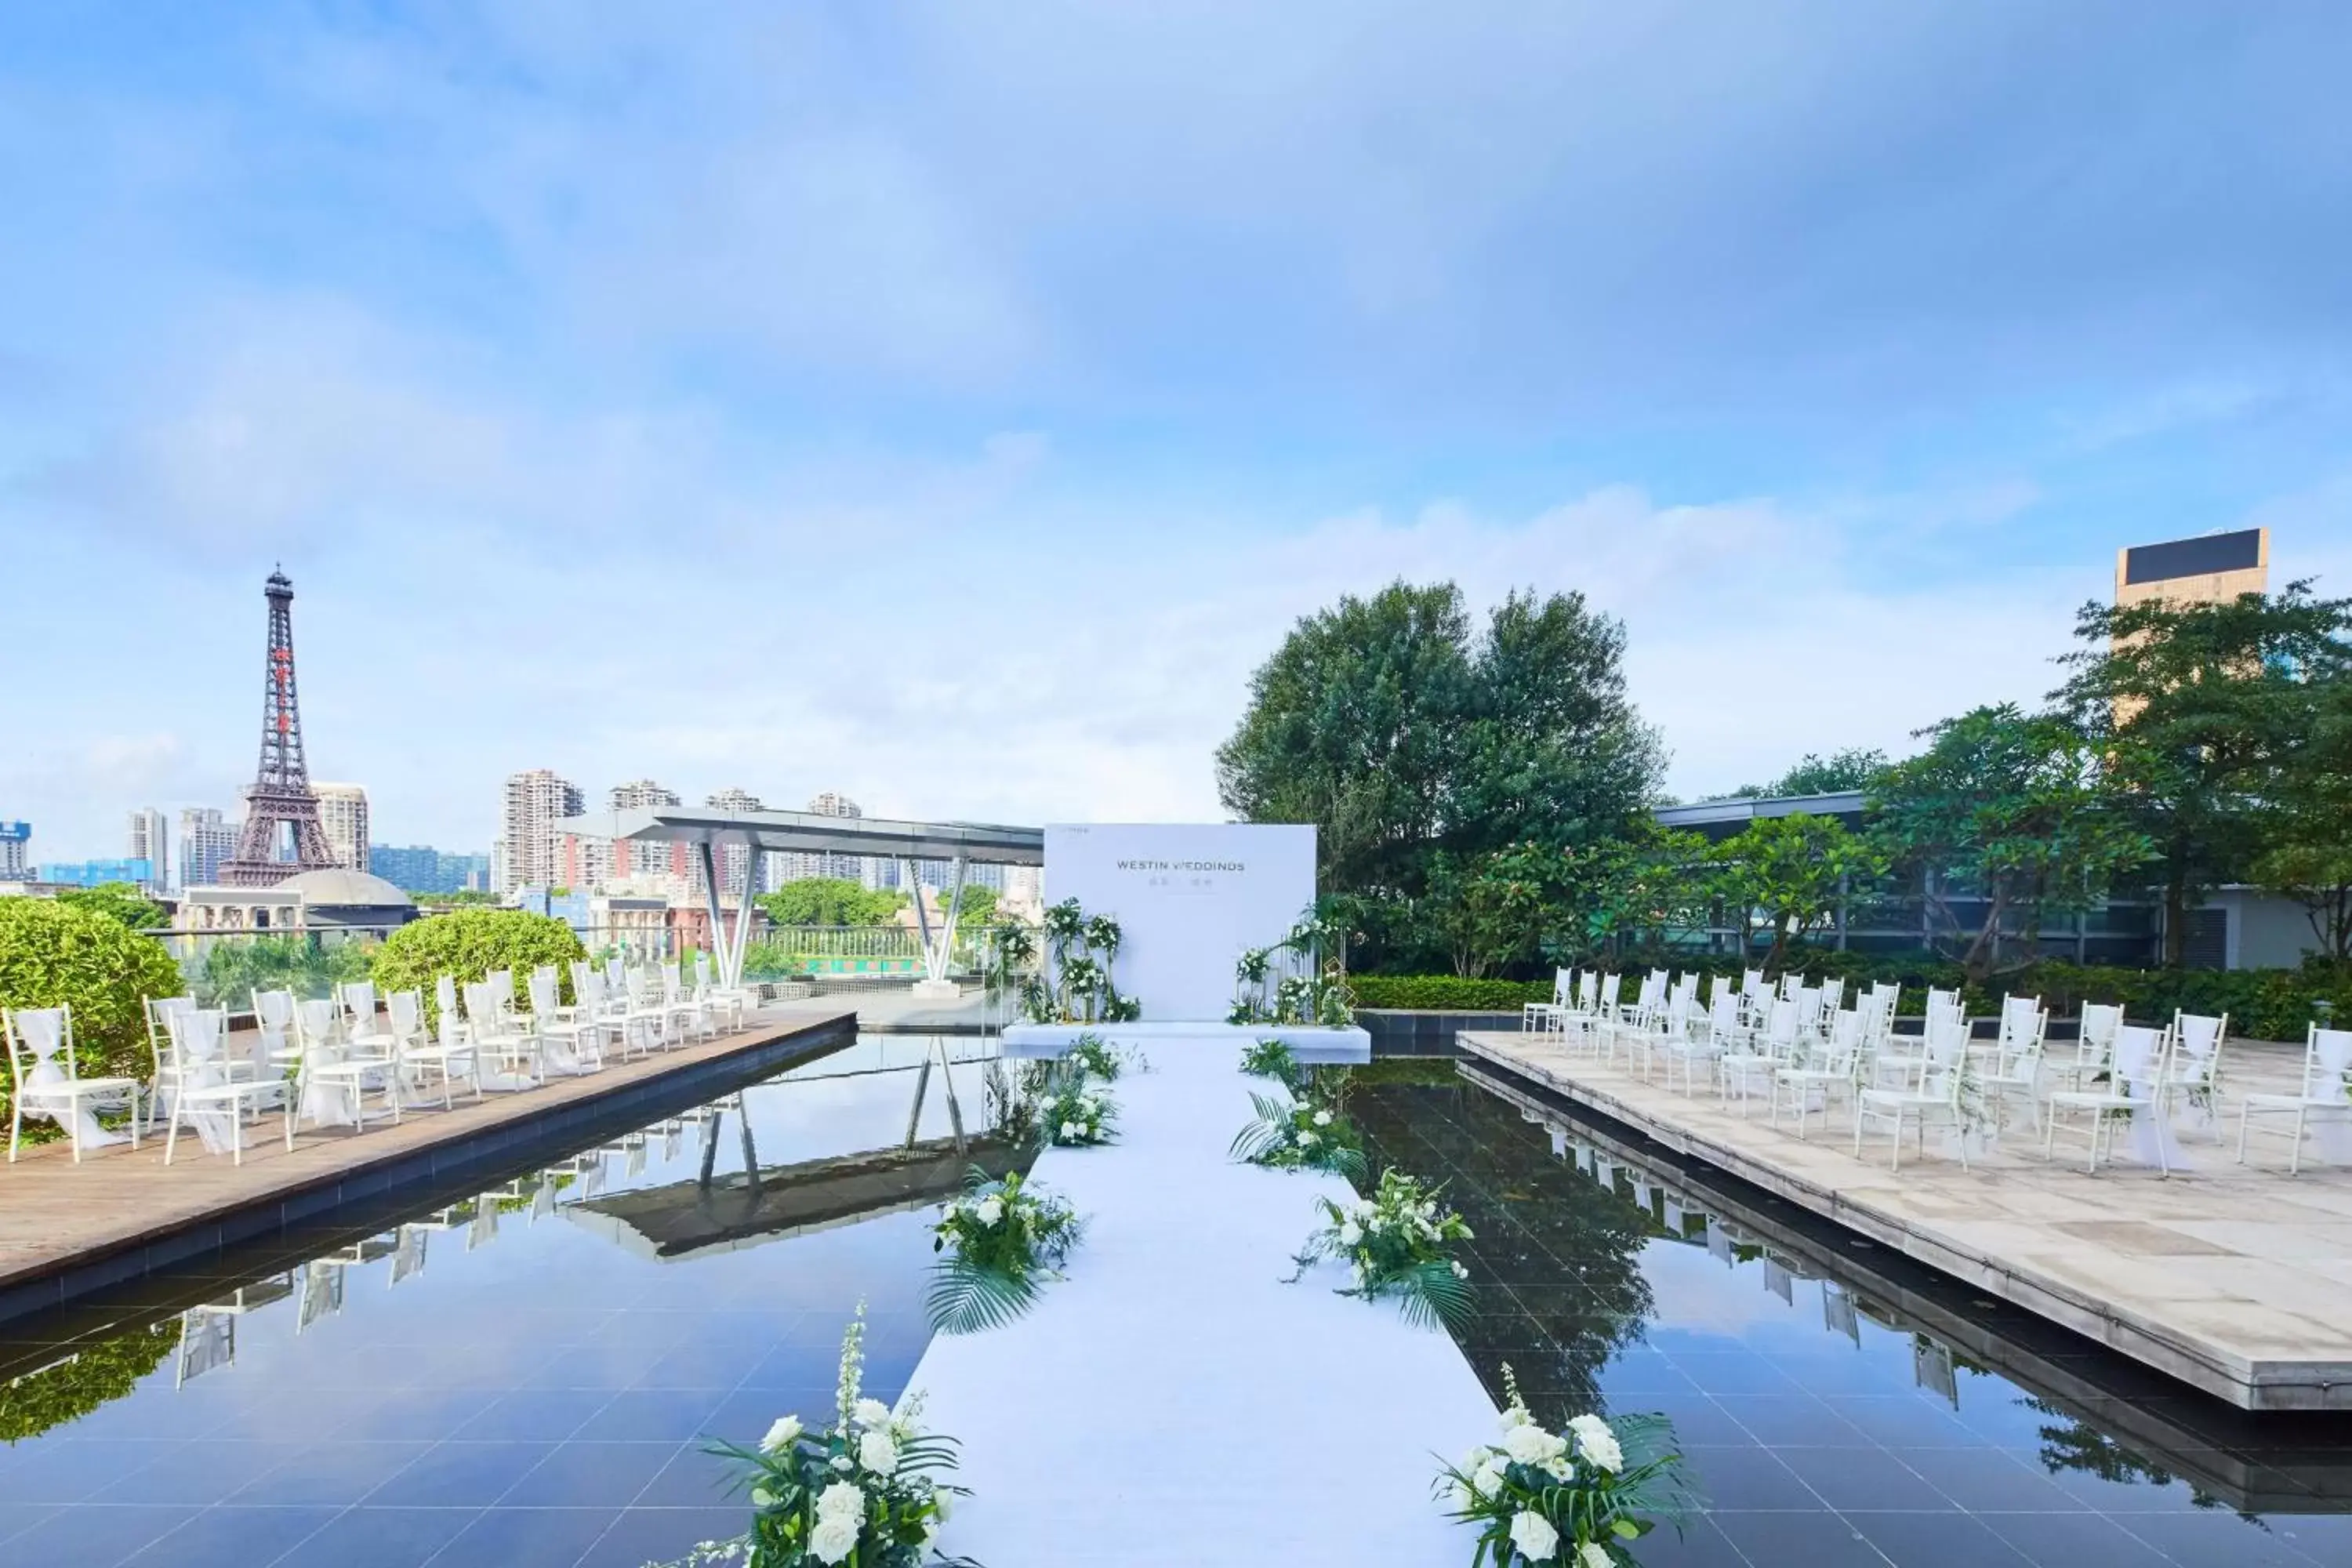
2234 1279
67 1228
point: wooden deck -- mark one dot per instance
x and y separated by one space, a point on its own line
2229 1278
66 1229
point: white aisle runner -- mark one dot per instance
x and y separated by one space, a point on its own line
1171 1401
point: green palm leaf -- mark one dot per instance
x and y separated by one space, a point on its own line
965 1300
1429 1293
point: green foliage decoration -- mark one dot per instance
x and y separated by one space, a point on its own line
53 952
996 1243
467 944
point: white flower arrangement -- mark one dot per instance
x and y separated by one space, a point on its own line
1096 1058
1567 1497
1076 1114
864 1491
1397 1244
997 1241
1299 1135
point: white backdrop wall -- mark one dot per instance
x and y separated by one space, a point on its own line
1189 898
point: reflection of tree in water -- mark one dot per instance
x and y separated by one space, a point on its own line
1555 1259
2070 1444
69 1389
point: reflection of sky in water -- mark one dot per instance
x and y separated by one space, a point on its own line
1830 1427
534 1392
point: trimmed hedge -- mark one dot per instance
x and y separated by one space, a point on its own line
52 953
467 944
2263 1004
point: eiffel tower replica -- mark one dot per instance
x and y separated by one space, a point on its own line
279 802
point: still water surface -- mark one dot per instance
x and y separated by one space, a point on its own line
526 1377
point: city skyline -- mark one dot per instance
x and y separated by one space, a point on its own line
964 436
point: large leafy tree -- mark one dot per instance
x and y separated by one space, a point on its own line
2007 811
2204 713
2308 857
1355 725
1788 872
1420 752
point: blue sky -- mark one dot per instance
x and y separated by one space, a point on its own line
952 403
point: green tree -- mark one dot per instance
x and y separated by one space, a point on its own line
235 967
1416 751
2009 810
121 902
2204 713
830 901
467 944
1355 725
1791 871
53 952
1850 769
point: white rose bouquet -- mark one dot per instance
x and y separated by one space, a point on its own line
1574 1498
863 1491
997 1242
1299 1135
1076 1114
1397 1245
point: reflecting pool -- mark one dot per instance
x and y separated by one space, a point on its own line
526 1375
1838 1403
518 1377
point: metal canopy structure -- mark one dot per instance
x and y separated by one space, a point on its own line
708 829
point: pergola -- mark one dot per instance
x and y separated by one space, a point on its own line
961 844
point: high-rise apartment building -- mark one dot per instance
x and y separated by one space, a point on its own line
596 864
421 868
150 840
344 815
735 860
529 845
15 851
207 840
795 866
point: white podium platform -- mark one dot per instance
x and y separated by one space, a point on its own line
1308 1043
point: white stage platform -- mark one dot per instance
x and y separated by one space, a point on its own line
1172 1401
1308 1043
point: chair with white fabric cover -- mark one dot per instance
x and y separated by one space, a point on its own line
498 1042
570 1034
2326 1090
331 1081
273 1015
2137 1067
167 1054
427 1053
2192 1072
2094 1043
47 1083
687 1015
1935 1098
726 1004
362 1027
2011 1066
207 1094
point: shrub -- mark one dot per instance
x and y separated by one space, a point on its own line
467 944
52 953
1447 992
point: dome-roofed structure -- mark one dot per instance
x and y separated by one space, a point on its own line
338 896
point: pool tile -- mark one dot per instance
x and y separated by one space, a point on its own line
234 1537
653 1415
1863 1477
526 1538
542 1415
1816 1539
2076 1540
642 1535
459 1475
370 1537
584 1474
1939 1538
96 1537
332 1472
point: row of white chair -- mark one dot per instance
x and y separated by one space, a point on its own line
322 1059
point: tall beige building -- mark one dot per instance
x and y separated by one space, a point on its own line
2210 569
151 841
529 850
344 814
